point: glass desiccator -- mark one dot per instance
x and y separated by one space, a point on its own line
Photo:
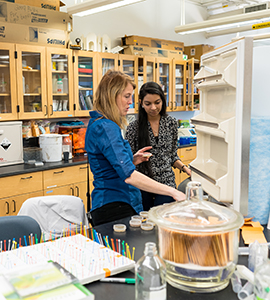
150 273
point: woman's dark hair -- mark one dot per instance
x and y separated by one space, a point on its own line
152 88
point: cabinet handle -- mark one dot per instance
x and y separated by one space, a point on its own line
189 149
82 168
52 109
29 177
46 107
14 205
78 191
58 172
72 191
7 212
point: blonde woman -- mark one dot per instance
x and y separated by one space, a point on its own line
117 184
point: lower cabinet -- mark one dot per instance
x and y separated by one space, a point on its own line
187 155
10 206
72 180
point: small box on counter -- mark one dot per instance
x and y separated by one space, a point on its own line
152 42
17 33
47 4
34 16
196 51
150 51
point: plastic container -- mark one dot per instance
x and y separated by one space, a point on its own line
33 154
65 84
262 282
119 227
135 222
150 275
51 145
59 86
198 240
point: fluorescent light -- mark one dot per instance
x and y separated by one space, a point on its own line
94 6
223 23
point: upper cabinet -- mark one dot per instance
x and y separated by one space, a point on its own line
38 82
85 81
128 64
60 82
31 82
164 77
8 96
192 93
178 85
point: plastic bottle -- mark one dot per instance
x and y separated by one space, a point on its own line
150 273
54 84
59 85
65 85
23 82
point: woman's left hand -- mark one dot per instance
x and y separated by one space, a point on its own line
141 156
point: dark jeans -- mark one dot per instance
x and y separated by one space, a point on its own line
111 212
150 199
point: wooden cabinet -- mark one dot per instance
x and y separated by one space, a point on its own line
178 102
59 82
187 155
164 78
8 87
128 64
192 94
85 81
10 206
62 181
16 189
67 181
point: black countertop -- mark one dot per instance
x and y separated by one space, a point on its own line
136 237
29 168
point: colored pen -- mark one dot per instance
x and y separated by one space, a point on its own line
120 280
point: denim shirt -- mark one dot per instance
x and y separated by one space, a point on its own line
111 162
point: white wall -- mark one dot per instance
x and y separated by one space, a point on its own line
152 18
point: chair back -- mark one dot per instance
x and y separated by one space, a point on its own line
19 227
56 213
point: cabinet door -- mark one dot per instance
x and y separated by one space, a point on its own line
61 190
163 77
146 72
128 64
80 190
31 82
179 85
85 74
106 61
193 96
10 206
59 82
8 88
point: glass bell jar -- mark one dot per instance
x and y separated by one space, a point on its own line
198 240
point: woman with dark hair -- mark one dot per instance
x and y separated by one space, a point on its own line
157 129
117 184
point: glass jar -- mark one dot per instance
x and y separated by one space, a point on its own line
198 240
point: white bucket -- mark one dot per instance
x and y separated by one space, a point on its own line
51 145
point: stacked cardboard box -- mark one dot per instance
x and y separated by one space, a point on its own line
140 45
47 4
33 25
196 51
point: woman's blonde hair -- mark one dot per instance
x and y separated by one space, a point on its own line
112 84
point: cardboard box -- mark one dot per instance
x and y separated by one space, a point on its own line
197 51
17 33
134 40
47 4
34 16
156 52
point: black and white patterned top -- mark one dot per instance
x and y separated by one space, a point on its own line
164 151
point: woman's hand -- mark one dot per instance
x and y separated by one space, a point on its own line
178 196
141 156
187 170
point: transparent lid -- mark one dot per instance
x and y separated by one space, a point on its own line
195 214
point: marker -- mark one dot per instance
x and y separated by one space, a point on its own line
120 280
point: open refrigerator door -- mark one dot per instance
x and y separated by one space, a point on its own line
223 125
